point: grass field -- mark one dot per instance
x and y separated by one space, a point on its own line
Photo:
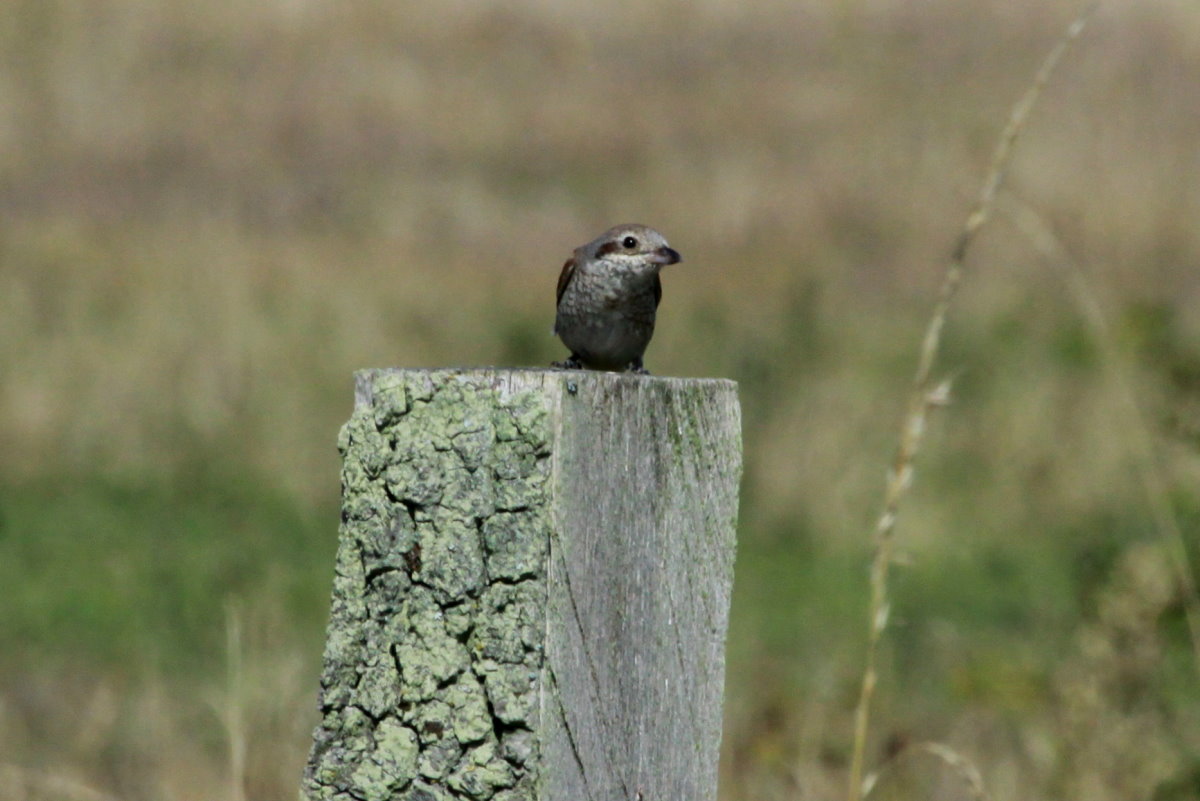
210 215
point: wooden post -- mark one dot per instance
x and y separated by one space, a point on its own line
532 588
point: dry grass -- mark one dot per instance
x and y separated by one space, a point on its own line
138 734
212 214
927 396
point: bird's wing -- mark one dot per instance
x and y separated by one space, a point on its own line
657 291
564 278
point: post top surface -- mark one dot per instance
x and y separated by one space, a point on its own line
491 370
527 378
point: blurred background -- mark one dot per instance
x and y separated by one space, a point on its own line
211 214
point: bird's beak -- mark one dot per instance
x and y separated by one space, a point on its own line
666 255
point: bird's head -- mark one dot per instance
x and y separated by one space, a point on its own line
632 244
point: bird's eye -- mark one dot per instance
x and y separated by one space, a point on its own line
629 242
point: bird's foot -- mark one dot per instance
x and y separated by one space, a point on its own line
636 367
570 363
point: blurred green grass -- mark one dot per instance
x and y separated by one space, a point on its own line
210 216
99 571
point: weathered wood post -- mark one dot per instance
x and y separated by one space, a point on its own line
532 588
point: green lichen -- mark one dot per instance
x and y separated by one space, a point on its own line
419 482
426 654
516 544
389 400
519 747
481 772
439 758
433 654
378 690
451 559
511 689
468 494
459 619
470 719
389 765
420 791
511 613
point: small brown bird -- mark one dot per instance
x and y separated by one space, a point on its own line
608 294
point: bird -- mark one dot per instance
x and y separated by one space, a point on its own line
608 295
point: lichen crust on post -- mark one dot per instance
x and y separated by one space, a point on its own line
434 652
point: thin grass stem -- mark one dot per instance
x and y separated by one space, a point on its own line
925 395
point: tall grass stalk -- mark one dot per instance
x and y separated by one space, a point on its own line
926 394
